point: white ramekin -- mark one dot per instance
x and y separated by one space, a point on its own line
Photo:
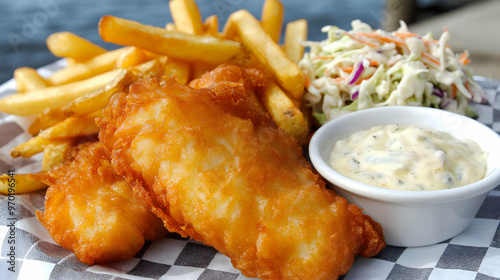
411 218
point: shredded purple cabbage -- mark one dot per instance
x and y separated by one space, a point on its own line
438 92
357 73
355 95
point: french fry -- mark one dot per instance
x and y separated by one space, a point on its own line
272 18
170 26
186 16
211 26
131 57
54 154
95 66
87 103
46 120
70 62
33 146
286 73
295 34
73 127
154 66
37 101
187 19
99 98
181 69
19 184
170 43
27 79
67 44
151 55
229 31
284 112
60 133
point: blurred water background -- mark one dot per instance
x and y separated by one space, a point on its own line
25 24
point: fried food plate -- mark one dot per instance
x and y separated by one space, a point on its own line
80 87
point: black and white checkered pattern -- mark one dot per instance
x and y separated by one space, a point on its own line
473 254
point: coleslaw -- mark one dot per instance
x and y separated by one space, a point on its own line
364 68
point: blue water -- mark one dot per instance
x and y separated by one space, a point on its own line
25 24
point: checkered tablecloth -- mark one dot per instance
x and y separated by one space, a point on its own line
473 254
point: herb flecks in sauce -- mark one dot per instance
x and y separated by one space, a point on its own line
409 158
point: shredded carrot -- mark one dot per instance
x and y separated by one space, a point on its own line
371 35
426 41
306 80
323 57
381 38
399 35
453 90
467 86
361 41
405 34
430 57
362 79
464 58
374 63
347 69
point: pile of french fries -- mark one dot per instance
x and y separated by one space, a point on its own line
67 103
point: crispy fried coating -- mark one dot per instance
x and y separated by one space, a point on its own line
92 211
226 76
216 168
249 77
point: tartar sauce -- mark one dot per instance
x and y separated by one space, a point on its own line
409 158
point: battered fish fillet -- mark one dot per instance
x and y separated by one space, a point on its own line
92 211
215 168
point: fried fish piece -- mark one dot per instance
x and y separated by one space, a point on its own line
92 211
214 167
